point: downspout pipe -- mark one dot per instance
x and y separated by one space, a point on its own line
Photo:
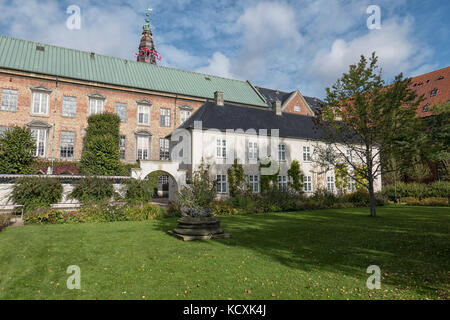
54 126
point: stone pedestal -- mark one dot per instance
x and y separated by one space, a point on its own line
199 228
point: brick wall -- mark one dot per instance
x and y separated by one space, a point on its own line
78 124
297 100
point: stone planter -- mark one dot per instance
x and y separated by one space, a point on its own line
199 228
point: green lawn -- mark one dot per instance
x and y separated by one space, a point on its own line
301 255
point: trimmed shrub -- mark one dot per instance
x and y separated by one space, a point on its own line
34 192
101 154
439 189
92 189
17 147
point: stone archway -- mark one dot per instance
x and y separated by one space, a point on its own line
177 177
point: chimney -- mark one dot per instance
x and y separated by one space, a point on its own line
276 107
218 96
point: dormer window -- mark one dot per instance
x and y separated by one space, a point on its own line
297 109
433 92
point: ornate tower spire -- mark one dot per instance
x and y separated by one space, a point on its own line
147 52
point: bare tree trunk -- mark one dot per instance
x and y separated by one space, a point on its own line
372 198
370 178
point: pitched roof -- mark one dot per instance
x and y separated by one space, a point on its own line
426 83
272 95
46 59
240 117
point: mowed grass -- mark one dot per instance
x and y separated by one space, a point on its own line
300 255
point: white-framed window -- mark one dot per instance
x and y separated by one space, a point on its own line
3 129
297 109
351 185
164 149
95 106
184 115
252 150
221 148
143 114
40 103
164 117
69 107
282 182
282 152
330 183
306 154
253 181
162 180
143 147
221 183
350 156
307 184
67 144
40 135
9 100
121 110
122 147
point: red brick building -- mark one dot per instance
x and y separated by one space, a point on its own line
435 86
53 90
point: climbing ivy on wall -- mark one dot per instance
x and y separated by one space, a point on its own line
268 182
236 178
296 175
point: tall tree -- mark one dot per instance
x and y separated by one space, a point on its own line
362 119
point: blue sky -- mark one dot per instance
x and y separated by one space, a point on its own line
287 45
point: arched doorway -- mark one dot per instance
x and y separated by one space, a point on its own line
174 178
164 186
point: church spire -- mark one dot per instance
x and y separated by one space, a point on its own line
147 52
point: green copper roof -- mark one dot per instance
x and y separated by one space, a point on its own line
57 61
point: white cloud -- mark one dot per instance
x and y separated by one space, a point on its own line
178 58
270 38
105 30
284 44
394 44
218 65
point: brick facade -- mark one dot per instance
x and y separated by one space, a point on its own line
296 100
23 116
435 88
